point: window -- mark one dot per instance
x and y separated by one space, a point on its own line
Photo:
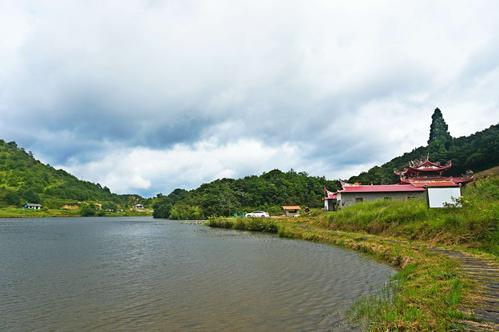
359 199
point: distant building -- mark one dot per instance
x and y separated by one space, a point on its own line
32 206
291 210
139 207
414 182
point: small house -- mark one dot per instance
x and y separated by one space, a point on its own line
291 210
139 207
32 206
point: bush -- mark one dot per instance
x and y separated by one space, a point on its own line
247 224
87 211
185 212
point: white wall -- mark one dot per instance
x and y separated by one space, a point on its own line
439 197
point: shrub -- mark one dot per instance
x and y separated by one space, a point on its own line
87 210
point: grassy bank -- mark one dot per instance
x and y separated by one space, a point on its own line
425 293
12 212
474 225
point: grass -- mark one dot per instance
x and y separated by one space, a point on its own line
12 212
475 225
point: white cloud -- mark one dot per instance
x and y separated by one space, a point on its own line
143 169
347 84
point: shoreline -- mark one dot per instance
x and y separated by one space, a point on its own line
15 213
430 290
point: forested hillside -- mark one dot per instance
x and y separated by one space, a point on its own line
228 196
25 179
476 152
269 191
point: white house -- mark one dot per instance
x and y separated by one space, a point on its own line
32 206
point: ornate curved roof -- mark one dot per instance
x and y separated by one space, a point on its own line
424 166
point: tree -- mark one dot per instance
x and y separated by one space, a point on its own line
439 131
13 198
31 196
88 210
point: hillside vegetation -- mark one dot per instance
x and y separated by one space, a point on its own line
226 197
25 179
476 152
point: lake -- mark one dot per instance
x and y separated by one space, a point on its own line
136 273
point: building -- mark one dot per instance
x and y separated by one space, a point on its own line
330 201
356 193
415 181
32 206
291 210
139 207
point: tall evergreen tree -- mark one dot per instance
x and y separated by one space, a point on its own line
439 131
440 138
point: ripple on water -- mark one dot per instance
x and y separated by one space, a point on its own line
108 274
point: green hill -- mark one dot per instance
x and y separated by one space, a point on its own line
25 179
269 191
476 152
228 196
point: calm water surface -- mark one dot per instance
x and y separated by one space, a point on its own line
140 274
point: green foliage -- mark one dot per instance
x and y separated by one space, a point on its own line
13 198
88 210
31 196
476 152
248 224
185 212
226 197
439 131
23 178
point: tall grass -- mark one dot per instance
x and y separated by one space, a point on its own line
475 224
246 224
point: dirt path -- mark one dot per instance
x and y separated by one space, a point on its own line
484 305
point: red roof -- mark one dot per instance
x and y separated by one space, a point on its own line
424 166
438 182
422 184
383 188
291 207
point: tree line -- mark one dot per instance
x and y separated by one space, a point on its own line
225 197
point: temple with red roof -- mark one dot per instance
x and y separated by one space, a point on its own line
414 181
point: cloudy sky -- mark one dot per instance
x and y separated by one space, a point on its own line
146 96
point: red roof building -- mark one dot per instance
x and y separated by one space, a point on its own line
414 180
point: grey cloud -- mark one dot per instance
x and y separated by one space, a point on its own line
345 84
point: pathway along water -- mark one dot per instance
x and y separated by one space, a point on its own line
144 274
